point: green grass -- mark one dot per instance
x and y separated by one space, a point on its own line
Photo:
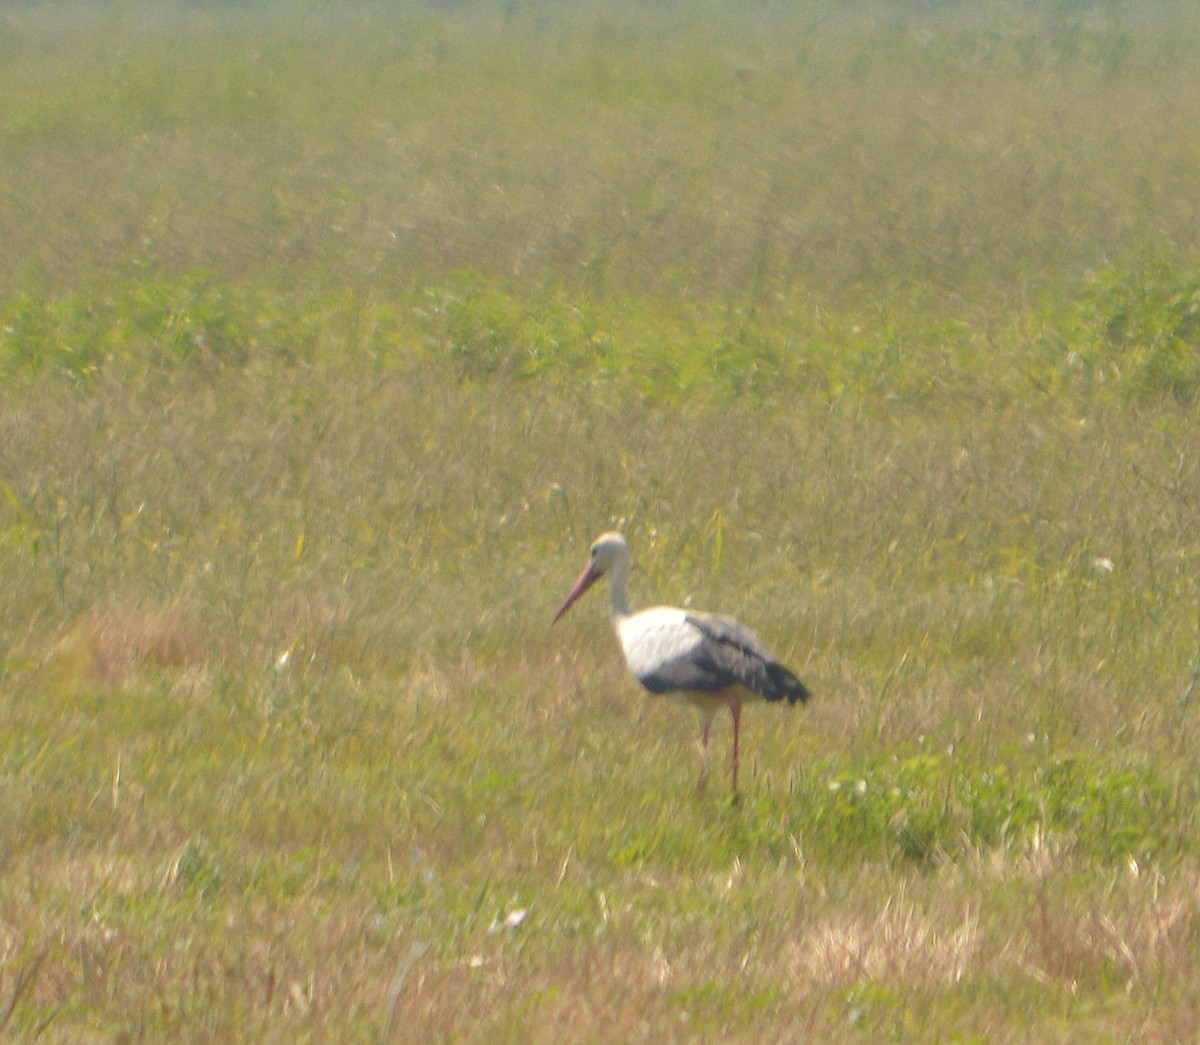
331 337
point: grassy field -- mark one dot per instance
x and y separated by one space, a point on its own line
330 337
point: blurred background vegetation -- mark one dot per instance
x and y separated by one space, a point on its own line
330 334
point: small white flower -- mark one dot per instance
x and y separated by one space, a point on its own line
511 920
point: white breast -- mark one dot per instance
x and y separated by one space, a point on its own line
655 637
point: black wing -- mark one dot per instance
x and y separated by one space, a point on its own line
728 654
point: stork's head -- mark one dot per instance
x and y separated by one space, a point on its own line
609 552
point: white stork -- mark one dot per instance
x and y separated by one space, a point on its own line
702 659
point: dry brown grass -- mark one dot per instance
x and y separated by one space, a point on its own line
108 646
899 945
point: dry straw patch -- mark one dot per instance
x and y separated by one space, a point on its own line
108 646
1146 935
899 944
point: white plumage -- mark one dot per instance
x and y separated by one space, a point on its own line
654 637
706 660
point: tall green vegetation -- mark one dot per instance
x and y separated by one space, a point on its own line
330 337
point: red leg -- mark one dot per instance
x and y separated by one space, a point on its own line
735 709
704 752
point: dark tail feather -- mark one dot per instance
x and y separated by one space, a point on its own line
783 685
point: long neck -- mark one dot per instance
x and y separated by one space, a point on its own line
617 600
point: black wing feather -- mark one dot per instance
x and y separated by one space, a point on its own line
730 655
